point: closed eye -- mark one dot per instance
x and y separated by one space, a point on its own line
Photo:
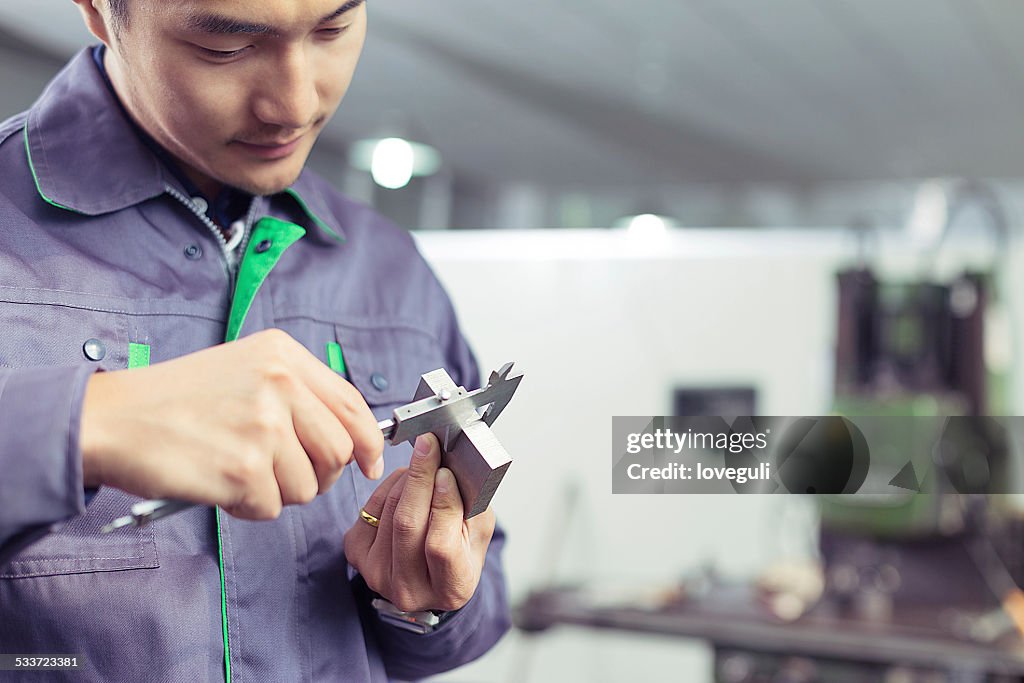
222 54
332 32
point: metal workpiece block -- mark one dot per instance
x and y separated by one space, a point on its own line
461 422
479 463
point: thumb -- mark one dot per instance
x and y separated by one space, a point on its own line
444 530
446 503
444 543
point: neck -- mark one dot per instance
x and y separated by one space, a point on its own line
208 186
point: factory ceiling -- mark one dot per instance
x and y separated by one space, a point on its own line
604 93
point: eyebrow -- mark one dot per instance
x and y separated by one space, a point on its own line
215 23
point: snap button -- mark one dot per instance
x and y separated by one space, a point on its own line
94 349
201 204
193 252
379 381
263 246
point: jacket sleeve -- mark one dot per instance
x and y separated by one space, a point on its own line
467 633
463 636
40 458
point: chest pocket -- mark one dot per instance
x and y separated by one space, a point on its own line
44 334
385 365
37 333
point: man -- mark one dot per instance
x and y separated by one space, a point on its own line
187 313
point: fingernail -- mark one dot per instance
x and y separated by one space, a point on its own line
422 447
378 469
443 481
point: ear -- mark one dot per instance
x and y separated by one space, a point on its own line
96 18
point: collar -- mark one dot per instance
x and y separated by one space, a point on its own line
86 156
306 193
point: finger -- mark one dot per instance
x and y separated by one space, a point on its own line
446 544
481 531
259 497
326 442
359 538
375 503
296 479
409 566
380 551
345 401
413 512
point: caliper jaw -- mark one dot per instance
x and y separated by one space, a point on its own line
462 421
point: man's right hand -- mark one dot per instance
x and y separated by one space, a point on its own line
250 426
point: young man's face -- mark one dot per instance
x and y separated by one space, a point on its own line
237 90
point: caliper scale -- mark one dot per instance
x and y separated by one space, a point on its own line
460 419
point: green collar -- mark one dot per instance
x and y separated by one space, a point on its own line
312 202
86 157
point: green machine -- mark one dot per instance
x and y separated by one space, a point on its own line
916 351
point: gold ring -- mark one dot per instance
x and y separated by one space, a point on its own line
369 519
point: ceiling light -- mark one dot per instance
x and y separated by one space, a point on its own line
646 224
393 161
391 165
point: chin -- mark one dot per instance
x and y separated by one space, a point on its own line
265 186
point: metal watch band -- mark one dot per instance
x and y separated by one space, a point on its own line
416 622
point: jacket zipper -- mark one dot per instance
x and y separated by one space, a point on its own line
231 272
247 230
224 251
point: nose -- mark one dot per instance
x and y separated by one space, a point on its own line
287 95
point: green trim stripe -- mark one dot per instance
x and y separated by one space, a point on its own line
138 355
256 266
35 178
253 271
319 221
223 600
335 360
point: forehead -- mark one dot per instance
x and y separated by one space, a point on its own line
239 16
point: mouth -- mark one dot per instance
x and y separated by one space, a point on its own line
270 150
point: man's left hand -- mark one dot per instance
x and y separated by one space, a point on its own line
424 555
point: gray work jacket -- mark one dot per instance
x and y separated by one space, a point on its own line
105 260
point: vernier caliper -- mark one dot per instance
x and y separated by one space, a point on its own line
461 420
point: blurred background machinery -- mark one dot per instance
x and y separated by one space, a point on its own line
912 588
